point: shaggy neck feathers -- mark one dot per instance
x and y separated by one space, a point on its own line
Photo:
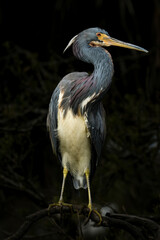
88 90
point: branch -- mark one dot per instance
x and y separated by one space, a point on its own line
147 223
136 226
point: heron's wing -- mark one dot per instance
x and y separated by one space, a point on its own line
52 121
97 128
65 85
74 76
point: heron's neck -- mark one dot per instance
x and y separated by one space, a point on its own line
84 92
103 69
103 66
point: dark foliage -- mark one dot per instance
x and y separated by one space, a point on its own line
33 37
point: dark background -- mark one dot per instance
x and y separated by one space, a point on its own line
32 38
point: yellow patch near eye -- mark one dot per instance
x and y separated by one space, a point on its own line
102 36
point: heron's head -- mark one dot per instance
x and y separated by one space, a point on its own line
97 37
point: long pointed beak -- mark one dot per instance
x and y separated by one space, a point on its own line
109 41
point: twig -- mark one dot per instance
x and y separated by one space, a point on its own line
18 185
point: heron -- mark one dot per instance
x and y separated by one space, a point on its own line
76 116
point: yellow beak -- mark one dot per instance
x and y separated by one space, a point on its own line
107 41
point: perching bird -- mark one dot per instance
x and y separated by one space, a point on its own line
76 117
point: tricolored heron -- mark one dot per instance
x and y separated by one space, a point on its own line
76 117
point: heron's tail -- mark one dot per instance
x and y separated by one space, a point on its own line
80 182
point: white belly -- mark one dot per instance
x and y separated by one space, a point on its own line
74 144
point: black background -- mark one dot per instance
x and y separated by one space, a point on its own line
33 35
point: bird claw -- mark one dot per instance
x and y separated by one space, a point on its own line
59 204
97 213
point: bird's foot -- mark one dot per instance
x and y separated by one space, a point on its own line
59 204
96 212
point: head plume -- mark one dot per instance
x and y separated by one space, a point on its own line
70 43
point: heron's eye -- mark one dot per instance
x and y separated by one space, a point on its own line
98 34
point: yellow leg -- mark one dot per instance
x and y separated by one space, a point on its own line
60 202
90 200
89 190
65 172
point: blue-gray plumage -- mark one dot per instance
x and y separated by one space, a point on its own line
76 117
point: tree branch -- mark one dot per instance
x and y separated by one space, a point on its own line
150 225
139 228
